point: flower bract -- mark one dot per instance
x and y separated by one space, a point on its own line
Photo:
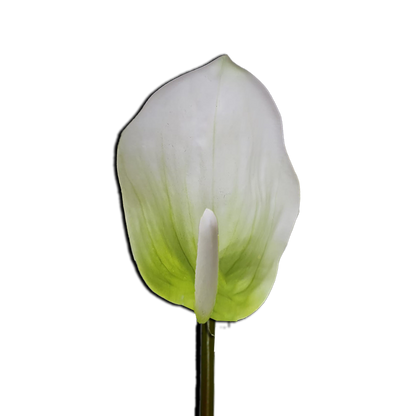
209 194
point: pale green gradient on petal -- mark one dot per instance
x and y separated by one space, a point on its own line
211 138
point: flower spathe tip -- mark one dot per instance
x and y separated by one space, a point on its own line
206 271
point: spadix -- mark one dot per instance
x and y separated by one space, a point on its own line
206 273
210 140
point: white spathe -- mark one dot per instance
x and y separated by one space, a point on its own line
211 138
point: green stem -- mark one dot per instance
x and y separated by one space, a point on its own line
206 354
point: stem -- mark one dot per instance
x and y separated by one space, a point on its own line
208 398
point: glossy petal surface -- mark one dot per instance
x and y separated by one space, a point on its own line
211 138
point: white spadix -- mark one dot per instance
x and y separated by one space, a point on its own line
206 273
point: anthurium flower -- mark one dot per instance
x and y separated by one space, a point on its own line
209 194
